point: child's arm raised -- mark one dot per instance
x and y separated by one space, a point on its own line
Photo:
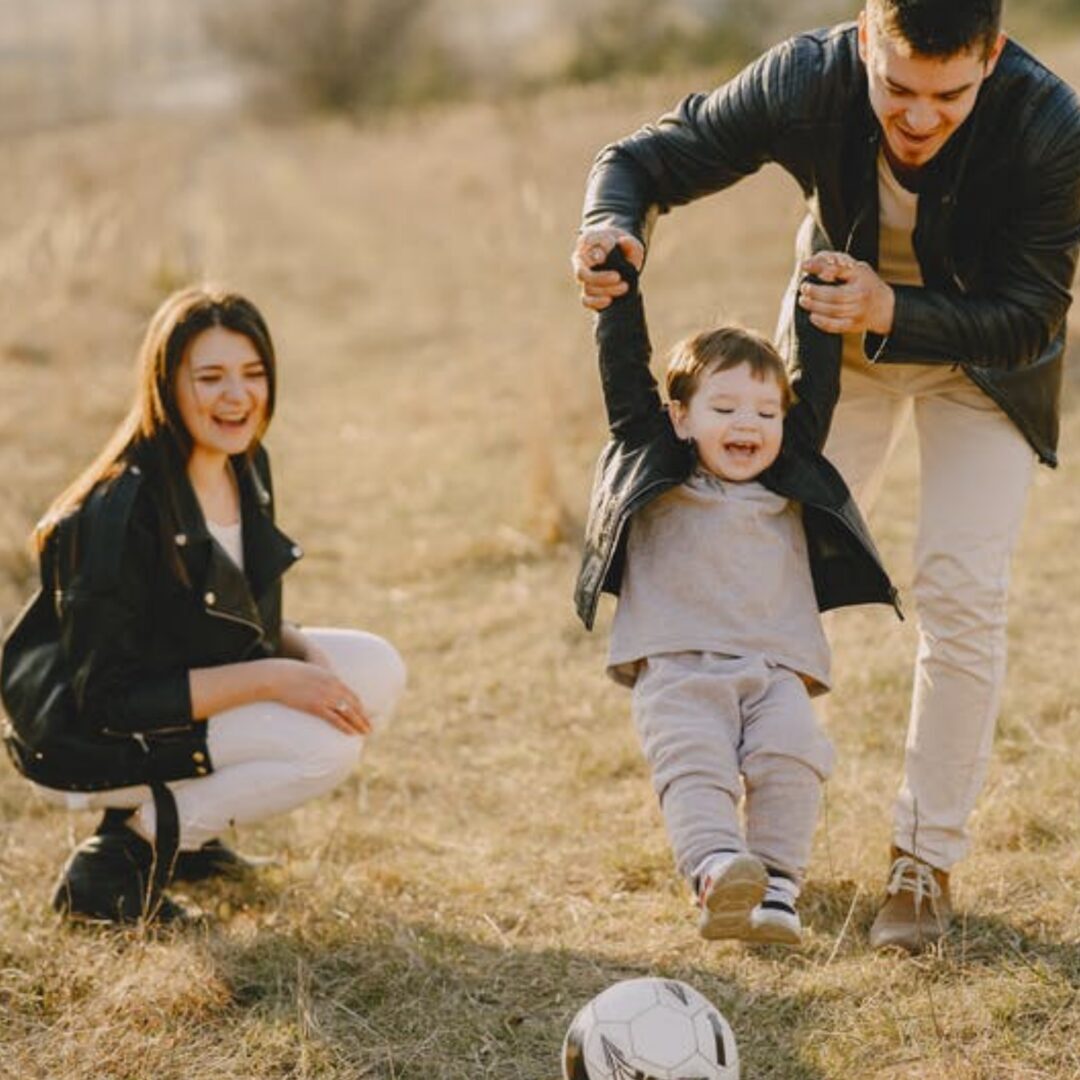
815 378
635 411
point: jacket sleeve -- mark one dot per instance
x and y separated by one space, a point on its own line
634 408
709 142
815 379
1019 307
107 625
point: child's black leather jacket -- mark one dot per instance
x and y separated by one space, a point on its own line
645 458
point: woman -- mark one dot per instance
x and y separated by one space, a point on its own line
152 676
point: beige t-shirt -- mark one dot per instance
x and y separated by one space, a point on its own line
897 264
714 566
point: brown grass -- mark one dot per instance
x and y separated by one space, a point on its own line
499 858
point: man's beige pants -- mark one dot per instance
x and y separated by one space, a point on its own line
975 470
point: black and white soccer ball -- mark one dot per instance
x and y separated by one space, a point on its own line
650 1029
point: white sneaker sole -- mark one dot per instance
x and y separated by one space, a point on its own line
770 927
732 896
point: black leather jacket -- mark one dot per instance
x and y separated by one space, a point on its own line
131 630
998 216
645 458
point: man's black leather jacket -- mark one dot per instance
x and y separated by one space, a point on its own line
998 215
645 458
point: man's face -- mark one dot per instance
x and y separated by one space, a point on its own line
919 100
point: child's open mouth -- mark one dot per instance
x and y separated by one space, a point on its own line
741 449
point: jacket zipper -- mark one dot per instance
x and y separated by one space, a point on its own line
237 619
140 737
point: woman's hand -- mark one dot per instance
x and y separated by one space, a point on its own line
309 686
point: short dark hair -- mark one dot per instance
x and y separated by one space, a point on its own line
718 350
940 28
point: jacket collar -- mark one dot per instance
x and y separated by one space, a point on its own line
268 552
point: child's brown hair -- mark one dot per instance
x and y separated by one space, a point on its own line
718 350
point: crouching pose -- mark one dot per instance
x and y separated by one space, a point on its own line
723 531
152 676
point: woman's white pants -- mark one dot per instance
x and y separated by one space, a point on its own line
267 757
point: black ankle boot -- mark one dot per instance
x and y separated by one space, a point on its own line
211 860
109 878
116 876
115 819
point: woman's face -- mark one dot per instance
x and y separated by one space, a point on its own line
221 391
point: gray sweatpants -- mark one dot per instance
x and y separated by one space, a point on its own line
712 725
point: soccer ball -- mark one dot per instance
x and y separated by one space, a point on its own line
650 1029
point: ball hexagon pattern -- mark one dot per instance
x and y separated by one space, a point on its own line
650 1029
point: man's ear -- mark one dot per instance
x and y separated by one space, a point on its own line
995 53
862 35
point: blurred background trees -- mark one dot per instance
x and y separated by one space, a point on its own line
64 60
343 56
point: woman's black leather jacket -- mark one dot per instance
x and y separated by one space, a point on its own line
130 627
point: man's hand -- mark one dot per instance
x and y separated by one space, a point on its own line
600 287
855 300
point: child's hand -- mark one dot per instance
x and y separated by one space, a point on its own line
600 287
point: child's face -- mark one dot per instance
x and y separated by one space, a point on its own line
736 421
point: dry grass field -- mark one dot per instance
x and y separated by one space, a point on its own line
499 859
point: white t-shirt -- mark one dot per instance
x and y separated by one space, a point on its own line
231 538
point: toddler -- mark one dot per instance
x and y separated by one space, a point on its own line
724 531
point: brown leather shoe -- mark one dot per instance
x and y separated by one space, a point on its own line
917 911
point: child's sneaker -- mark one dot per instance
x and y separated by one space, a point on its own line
775 921
730 885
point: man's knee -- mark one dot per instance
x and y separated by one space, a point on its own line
961 604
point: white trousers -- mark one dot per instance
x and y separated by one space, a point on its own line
975 471
267 757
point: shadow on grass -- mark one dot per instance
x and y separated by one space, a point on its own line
842 907
399 1000
992 942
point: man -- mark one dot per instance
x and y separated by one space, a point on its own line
941 169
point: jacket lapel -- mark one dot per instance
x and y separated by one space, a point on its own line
227 591
268 552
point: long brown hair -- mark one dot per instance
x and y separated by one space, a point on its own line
153 431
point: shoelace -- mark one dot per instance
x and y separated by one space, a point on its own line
914 877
